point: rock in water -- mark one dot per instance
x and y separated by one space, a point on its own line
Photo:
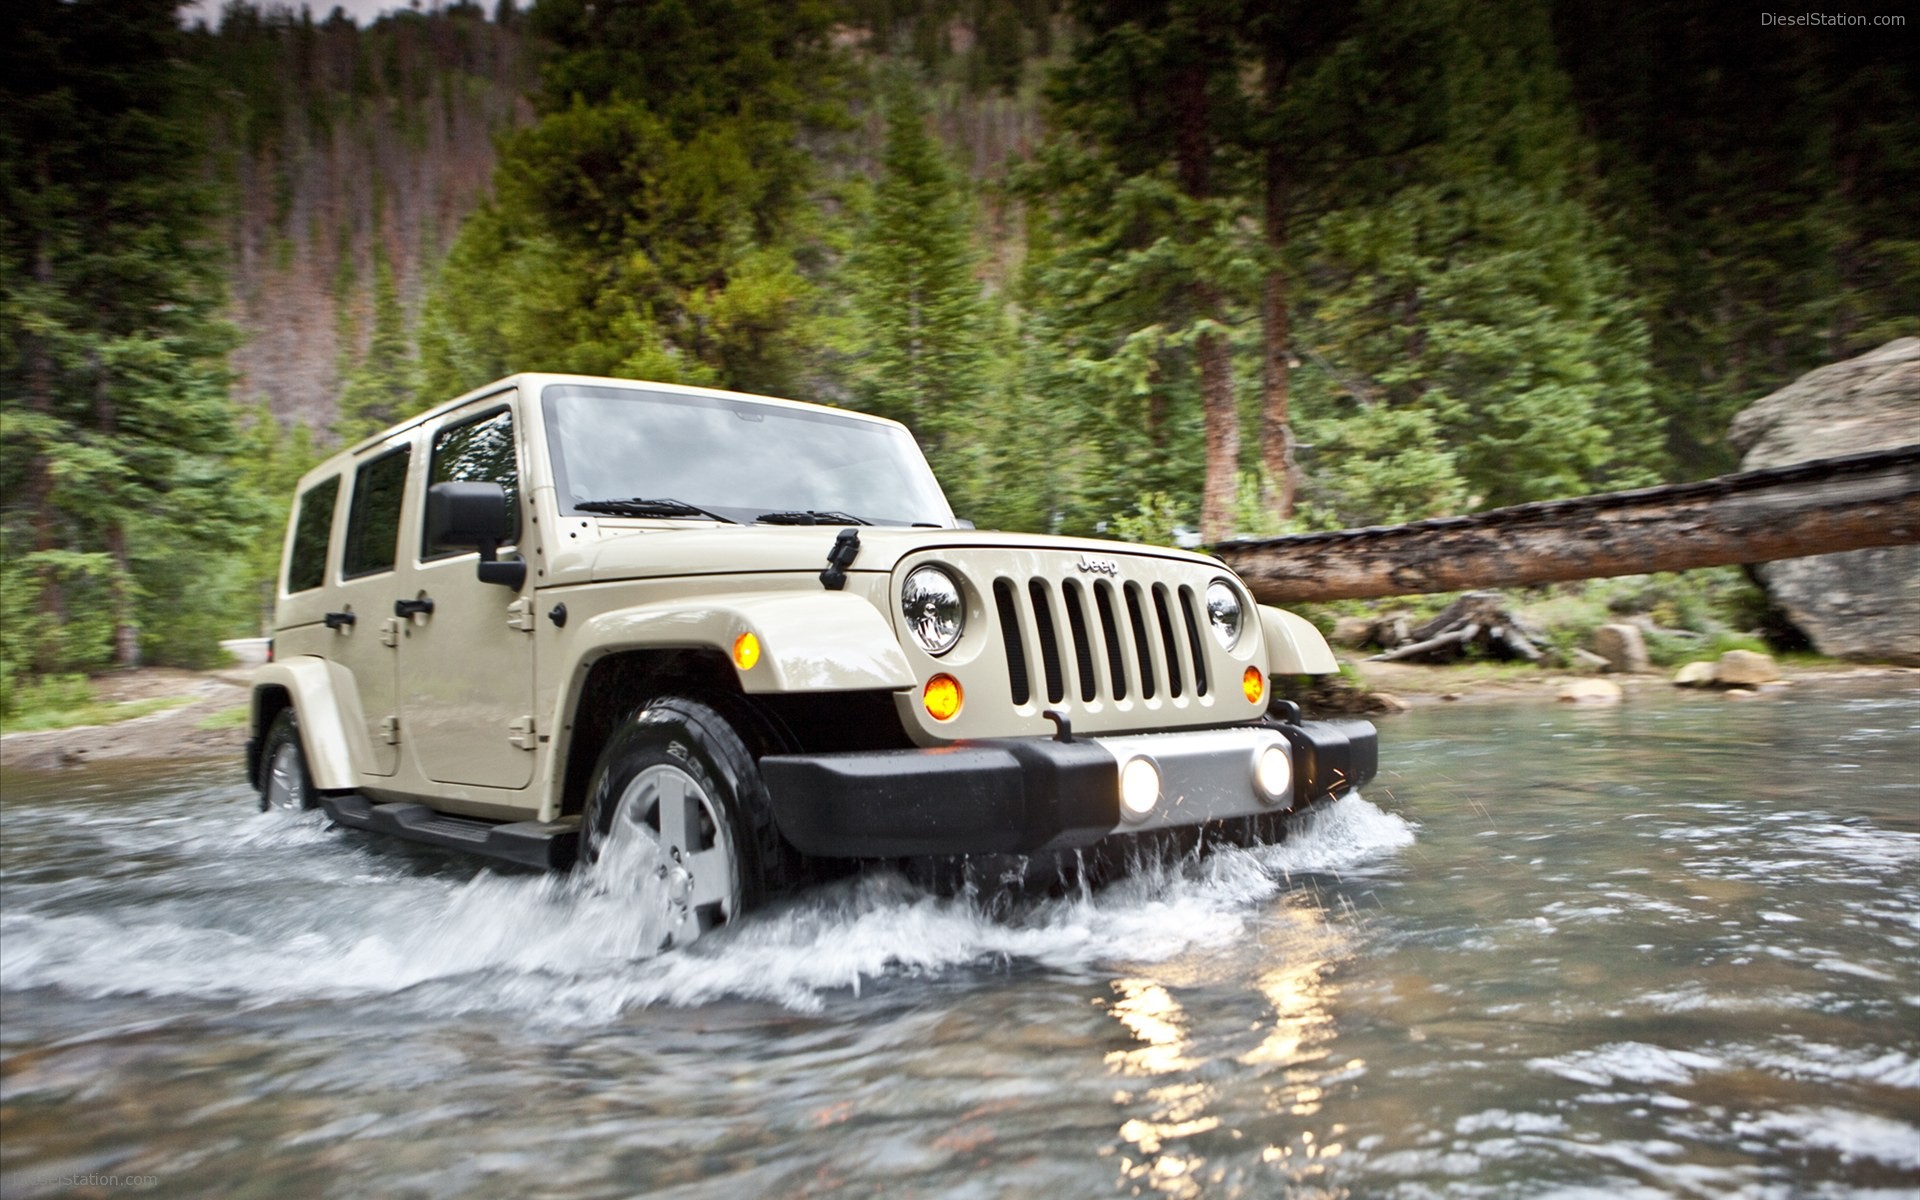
1695 674
1864 604
1591 691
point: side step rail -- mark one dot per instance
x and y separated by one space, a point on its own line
549 845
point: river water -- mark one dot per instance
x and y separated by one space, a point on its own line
1665 949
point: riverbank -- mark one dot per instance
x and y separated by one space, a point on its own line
1396 685
207 720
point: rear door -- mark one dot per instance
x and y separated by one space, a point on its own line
366 633
466 668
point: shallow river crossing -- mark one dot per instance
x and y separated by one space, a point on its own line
1666 949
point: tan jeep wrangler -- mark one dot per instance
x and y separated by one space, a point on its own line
737 640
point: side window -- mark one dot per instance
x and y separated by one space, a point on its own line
312 531
373 526
476 451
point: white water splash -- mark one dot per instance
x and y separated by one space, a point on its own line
288 913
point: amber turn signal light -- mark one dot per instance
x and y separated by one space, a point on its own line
941 697
1254 684
746 651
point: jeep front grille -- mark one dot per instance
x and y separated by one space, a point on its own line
1121 640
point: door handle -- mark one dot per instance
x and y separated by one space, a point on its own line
339 620
407 608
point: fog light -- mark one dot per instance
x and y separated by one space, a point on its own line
1272 774
941 697
1254 684
1139 788
746 651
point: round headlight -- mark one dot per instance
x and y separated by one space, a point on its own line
1224 612
935 613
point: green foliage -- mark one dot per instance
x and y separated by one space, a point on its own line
1377 465
1708 601
271 461
1460 329
63 701
119 426
84 582
1109 330
1692 614
1761 184
919 315
384 385
236 717
650 224
1470 323
1152 521
1522 258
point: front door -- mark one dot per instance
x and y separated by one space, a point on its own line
466 667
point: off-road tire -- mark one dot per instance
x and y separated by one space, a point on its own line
286 785
675 736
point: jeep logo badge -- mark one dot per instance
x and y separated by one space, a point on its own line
1099 566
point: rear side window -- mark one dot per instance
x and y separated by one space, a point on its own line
373 525
476 451
312 535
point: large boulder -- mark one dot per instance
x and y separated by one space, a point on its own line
1863 604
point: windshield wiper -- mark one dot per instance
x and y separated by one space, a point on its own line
638 507
811 516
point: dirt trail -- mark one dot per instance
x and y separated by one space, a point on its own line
172 733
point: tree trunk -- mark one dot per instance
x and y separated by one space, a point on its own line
1222 421
39 488
126 620
1820 507
1276 329
1193 151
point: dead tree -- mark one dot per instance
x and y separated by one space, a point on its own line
1476 620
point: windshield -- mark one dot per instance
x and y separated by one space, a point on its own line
736 458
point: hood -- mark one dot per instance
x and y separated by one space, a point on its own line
753 549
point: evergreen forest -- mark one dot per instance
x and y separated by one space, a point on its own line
1133 267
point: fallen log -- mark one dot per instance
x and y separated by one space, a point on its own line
1819 507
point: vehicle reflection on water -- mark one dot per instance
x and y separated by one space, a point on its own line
1167 1072
1670 949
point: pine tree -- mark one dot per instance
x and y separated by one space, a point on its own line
110 347
384 385
1478 291
271 461
652 222
1761 183
1142 198
918 308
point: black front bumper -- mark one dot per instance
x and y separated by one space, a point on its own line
1022 795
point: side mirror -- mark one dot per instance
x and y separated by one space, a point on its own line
476 515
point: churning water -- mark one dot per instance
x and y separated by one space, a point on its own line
1670 949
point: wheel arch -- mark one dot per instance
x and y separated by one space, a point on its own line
610 689
326 706
1294 645
827 644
